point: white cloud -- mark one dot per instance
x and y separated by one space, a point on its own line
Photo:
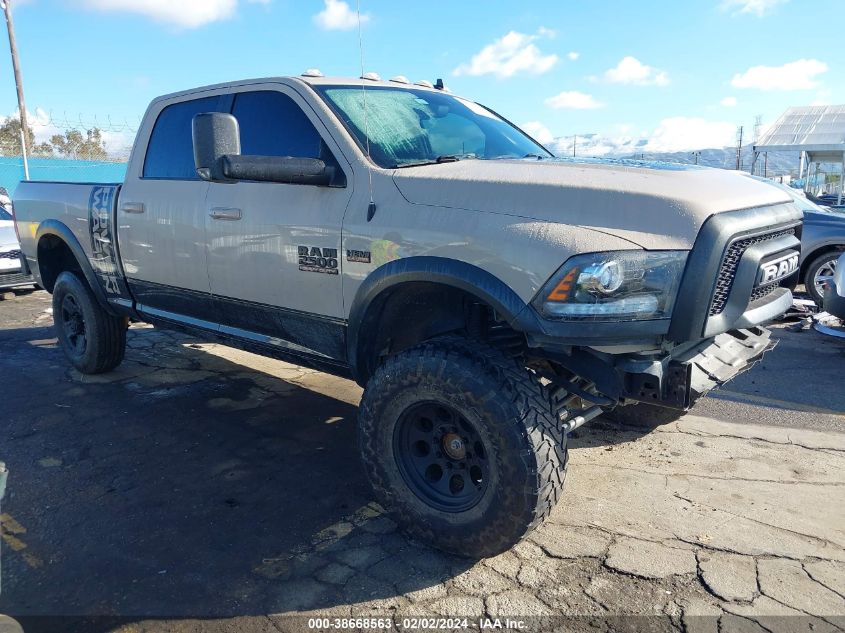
544 32
756 7
538 132
728 102
185 13
822 98
573 55
680 133
798 75
630 70
338 16
574 100
514 53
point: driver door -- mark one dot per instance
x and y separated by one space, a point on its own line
258 231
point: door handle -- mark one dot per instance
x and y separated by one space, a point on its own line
225 213
132 207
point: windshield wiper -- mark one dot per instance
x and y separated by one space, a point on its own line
446 158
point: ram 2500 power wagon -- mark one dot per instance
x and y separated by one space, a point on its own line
489 297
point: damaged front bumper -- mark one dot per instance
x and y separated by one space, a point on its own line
681 378
675 379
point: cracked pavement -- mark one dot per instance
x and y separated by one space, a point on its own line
203 488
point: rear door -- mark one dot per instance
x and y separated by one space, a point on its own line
274 249
161 217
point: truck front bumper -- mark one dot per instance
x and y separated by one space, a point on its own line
673 379
679 379
15 279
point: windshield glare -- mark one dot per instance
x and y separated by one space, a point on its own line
408 126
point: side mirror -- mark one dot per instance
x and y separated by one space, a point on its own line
281 169
215 135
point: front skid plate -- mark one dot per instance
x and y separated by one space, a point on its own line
718 360
677 382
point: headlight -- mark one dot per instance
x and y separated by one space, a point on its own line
614 286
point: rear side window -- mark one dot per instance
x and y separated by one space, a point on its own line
170 153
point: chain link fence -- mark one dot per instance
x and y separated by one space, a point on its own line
65 149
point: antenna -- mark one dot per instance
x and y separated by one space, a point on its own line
371 208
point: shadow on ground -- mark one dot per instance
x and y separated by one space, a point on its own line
187 484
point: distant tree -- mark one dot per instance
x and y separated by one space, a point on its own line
75 144
10 140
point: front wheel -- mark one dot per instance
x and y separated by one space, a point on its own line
462 446
93 340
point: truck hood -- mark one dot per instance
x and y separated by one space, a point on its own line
654 205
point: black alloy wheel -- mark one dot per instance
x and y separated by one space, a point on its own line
441 456
73 322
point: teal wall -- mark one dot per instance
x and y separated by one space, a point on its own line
11 171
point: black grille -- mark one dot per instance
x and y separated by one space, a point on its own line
8 279
727 271
763 291
10 255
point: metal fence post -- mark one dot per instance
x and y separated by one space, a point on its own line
3 475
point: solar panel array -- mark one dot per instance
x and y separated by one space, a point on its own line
808 125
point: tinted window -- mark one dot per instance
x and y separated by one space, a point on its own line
170 153
273 125
5 215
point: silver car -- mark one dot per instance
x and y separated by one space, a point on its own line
834 292
12 273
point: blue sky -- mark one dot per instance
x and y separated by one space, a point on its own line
679 74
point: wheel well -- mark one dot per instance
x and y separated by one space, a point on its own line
415 311
54 257
830 248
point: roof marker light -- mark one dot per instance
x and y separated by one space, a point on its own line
400 79
312 72
371 76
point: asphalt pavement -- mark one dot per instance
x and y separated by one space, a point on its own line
200 488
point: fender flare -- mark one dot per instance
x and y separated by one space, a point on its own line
438 270
60 230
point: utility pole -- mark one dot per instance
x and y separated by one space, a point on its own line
574 143
766 165
16 67
696 154
739 149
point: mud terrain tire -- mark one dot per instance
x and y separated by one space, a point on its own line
505 416
93 340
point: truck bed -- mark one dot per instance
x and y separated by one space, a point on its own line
83 216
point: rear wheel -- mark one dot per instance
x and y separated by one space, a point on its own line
462 446
93 340
818 272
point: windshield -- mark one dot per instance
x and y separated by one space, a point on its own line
410 127
5 215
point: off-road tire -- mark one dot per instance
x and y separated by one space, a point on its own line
810 274
525 445
104 334
643 415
